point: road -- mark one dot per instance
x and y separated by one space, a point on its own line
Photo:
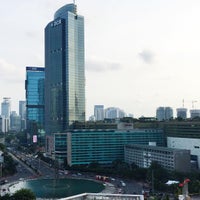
30 167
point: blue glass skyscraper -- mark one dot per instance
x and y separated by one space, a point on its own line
65 70
34 86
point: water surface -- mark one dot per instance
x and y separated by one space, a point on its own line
50 188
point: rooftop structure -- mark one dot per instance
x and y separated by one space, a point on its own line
102 196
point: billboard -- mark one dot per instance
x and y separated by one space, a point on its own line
34 138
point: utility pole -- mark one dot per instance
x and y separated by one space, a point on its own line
152 181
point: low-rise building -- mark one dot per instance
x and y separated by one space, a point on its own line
168 158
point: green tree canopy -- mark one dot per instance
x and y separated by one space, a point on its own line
24 194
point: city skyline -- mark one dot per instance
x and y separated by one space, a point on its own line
139 55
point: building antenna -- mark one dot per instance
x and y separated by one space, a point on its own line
75 9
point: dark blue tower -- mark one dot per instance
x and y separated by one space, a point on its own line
65 70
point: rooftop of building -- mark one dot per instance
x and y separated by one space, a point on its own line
103 196
153 147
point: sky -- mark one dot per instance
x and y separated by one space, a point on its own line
139 54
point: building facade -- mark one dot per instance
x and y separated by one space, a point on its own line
5 114
15 122
194 113
87 146
22 114
185 135
164 113
114 113
34 86
181 113
170 159
4 124
6 107
65 70
168 113
99 112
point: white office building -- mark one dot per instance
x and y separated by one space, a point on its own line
99 112
169 158
114 113
6 107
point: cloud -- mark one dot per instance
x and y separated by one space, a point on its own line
102 66
147 56
30 34
10 72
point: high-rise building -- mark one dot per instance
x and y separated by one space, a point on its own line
164 113
181 113
160 113
5 114
65 70
22 114
6 107
99 112
34 98
22 109
114 113
4 124
194 113
15 122
168 113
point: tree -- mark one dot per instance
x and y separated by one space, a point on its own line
157 175
5 197
9 166
24 194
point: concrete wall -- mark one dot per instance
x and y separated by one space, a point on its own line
191 144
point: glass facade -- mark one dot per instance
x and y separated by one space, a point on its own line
65 70
60 147
35 96
6 107
84 147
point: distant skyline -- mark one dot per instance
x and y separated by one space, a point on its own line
139 54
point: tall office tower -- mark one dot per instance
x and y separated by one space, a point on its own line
34 86
181 113
4 124
65 70
22 114
99 112
5 113
6 107
164 113
160 113
168 113
114 113
194 113
15 121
